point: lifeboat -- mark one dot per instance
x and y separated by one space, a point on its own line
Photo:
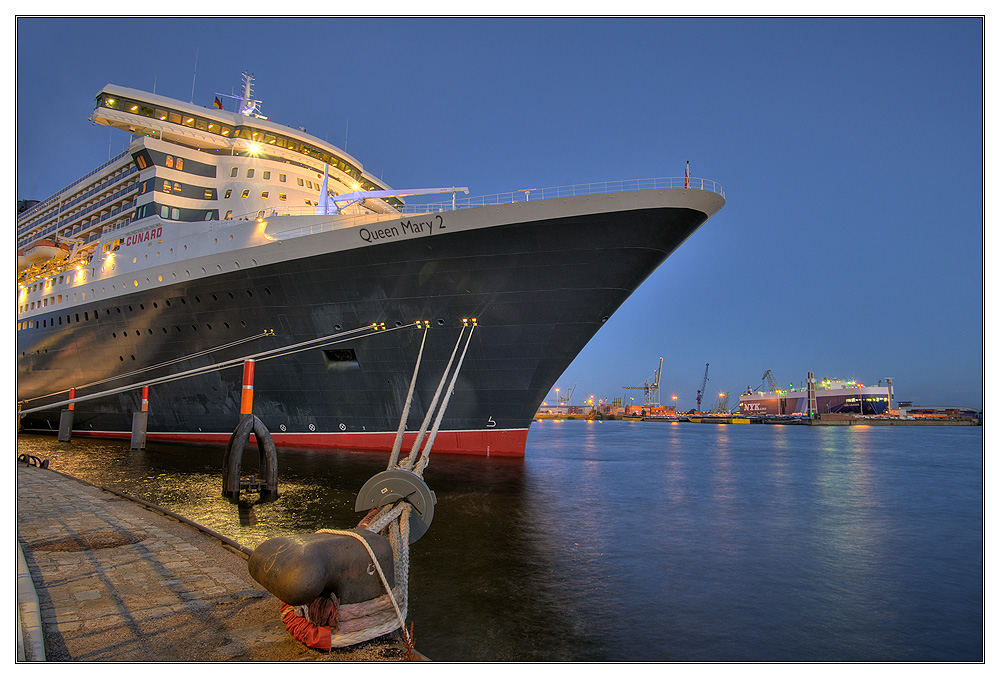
44 251
23 263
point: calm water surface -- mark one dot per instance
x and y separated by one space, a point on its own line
641 541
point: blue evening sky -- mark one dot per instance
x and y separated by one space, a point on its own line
851 153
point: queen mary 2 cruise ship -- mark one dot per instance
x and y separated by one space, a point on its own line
220 236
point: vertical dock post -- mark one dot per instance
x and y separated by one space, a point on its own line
246 402
139 422
66 419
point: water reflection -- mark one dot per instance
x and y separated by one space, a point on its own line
644 541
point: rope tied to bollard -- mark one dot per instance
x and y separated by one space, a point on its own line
324 622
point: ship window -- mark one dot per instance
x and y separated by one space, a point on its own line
267 174
165 212
188 121
309 184
233 173
170 161
161 114
282 196
340 359
209 215
281 178
175 213
201 124
229 214
180 163
226 131
250 173
208 194
264 194
246 192
229 192
301 182
174 117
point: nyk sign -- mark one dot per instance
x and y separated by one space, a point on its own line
143 236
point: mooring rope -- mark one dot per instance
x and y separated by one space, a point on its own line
222 365
395 518
425 458
398 443
407 463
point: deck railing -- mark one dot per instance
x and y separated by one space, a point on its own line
524 195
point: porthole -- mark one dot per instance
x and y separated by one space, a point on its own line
249 293
267 291
253 261
243 323
337 327
214 298
226 325
208 326
440 321
197 299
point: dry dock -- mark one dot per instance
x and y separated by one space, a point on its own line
104 579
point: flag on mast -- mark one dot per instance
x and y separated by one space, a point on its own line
218 104
687 174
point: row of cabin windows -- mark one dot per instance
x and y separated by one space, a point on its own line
58 320
281 178
225 130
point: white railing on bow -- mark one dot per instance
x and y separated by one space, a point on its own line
523 195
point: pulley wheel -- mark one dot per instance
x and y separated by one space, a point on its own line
397 484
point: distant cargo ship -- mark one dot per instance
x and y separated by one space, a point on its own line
220 235
832 396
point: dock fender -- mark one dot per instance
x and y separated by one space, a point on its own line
233 458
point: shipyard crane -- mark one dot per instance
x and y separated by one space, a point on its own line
772 384
651 392
722 405
566 399
701 392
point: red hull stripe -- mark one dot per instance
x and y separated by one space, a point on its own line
501 442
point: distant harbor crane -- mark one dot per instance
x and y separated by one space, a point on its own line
772 384
651 392
567 398
701 392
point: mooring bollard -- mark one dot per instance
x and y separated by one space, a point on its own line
140 420
249 424
66 419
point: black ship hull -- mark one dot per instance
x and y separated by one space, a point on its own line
539 290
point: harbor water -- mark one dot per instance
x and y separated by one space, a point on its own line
643 541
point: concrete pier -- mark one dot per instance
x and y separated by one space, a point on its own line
116 581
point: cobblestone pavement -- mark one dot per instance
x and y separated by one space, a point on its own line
116 581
